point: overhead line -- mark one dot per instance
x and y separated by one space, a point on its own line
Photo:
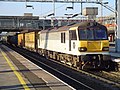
64 1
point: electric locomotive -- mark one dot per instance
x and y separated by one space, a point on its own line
82 45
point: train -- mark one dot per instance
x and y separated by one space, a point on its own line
82 45
13 40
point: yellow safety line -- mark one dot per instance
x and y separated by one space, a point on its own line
15 72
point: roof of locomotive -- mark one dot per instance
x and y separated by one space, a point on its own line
85 24
56 29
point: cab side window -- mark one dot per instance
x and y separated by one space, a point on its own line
73 35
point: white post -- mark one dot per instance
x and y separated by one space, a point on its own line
118 27
52 22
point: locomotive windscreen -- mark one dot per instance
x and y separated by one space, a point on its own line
93 34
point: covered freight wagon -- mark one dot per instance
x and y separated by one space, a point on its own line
21 39
31 40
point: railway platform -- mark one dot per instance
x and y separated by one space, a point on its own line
114 53
116 56
18 73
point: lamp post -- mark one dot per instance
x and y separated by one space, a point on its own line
28 6
103 4
101 12
117 27
72 7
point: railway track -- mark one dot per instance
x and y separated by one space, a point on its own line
113 76
76 78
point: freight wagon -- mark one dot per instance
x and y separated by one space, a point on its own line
13 40
21 41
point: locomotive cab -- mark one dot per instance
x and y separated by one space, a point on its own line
93 45
93 40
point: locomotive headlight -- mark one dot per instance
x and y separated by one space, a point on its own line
82 49
105 49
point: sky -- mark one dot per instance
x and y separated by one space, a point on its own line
43 9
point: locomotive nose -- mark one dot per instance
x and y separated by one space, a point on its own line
94 45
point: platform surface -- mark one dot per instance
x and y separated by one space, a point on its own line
18 73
